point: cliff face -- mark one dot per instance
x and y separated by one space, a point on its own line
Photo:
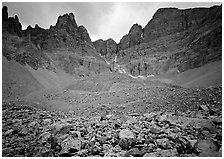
63 46
172 39
106 48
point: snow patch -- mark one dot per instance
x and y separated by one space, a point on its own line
150 75
115 59
141 35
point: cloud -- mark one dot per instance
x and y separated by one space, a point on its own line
121 17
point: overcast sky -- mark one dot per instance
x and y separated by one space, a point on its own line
102 20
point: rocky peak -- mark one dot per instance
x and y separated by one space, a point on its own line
4 13
83 33
134 37
107 48
11 24
66 20
135 29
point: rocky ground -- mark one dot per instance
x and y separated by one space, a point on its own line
29 131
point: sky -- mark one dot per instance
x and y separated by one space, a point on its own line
103 20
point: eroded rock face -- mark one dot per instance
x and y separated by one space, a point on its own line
134 37
107 48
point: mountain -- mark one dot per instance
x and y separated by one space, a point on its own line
172 39
157 93
61 53
66 45
173 44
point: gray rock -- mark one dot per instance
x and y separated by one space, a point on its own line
164 143
44 137
126 134
203 107
8 132
163 153
133 152
206 148
70 144
150 155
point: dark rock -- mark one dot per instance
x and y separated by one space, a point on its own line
147 149
133 152
70 144
163 153
11 24
134 37
206 148
164 143
127 143
4 13
107 48
183 145
44 152
155 130
203 107
96 150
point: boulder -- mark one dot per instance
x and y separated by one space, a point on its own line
126 134
206 148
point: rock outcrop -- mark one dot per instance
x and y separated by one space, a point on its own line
134 37
107 48
11 24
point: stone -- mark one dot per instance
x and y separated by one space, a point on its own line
150 155
205 147
44 137
96 150
76 134
83 153
127 143
151 115
164 143
24 130
126 134
133 152
47 121
203 107
8 132
33 123
167 153
193 142
155 129
70 144
45 152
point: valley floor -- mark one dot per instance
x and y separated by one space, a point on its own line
160 120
